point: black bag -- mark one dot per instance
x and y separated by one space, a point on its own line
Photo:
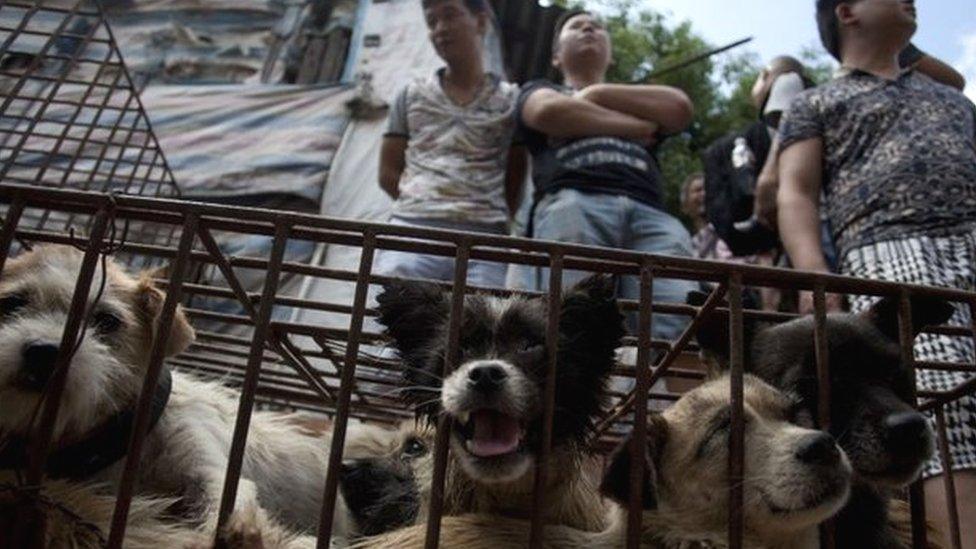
730 192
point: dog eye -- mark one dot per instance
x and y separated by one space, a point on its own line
530 352
12 303
414 448
106 323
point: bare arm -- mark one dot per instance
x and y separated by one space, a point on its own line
392 161
800 172
665 106
562 116
941 72
799 204
515 177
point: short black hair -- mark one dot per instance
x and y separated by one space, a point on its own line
474 6
557 29
829 26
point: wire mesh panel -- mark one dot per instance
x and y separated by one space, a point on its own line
69 115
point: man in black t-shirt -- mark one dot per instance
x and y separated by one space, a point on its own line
596 176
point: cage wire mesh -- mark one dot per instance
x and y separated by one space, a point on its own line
70 116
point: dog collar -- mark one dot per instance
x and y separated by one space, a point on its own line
100 448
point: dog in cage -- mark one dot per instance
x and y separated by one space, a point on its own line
389 487
871 391
187 448
495 396
795 478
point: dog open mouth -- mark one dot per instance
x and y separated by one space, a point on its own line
489 433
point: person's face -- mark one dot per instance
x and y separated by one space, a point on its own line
694 204
455 32
880 15
583 39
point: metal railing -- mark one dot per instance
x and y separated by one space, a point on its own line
338 371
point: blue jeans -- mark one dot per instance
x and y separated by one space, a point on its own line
399 264
617 221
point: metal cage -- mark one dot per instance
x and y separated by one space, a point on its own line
80 162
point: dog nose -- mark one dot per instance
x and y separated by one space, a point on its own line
819 449
487 378
38 363
905 429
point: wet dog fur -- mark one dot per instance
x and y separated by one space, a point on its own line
186 453
795 479
494 396
887 441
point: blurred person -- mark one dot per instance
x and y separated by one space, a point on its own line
895 153
448 158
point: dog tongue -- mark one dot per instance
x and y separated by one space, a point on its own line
495 434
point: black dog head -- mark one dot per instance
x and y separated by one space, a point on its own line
871 412
386 492
495 395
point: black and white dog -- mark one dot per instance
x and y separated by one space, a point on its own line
495 394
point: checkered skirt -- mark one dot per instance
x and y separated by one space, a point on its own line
933 261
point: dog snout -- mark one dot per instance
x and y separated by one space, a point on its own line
818 449
487 378
39 358
905 429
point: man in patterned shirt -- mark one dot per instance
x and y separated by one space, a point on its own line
895 154
447 156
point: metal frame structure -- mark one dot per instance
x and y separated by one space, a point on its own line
340 391
340 372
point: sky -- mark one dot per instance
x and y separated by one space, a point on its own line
947 28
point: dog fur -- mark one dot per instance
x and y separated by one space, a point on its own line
686 485
79 516
187 451
498 387
870 392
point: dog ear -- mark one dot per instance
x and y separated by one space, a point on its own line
149 304
616 480
413 313
713 331
589 310
926 311
590 329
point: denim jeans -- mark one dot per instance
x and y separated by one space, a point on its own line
399 264
617 221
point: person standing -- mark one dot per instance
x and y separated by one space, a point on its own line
895 153
595 172
448 158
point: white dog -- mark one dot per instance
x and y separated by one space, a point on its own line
187 449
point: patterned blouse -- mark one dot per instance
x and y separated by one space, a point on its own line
899 156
